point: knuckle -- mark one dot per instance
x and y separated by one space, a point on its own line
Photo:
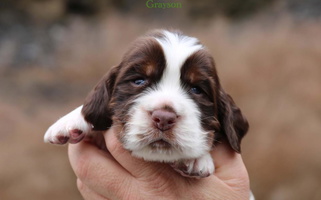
114 146
244 176
120 189
162 187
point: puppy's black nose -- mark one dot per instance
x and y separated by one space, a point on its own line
164 119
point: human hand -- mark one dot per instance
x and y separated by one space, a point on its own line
118 175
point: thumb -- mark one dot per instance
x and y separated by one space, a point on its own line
229 166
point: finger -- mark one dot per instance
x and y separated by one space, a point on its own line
97 169
229 165
224 155
136 166
87 193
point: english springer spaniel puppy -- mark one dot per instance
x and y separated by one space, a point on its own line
167 102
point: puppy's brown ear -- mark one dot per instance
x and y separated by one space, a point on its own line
233 124
96 106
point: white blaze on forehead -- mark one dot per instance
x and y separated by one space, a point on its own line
177 48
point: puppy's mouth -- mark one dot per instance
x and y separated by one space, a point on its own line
160 144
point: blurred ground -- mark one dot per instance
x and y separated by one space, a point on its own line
271 65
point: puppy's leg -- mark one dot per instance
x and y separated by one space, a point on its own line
195 168
70 128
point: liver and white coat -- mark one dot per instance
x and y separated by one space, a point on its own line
167 102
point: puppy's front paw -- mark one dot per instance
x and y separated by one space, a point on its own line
195 168
71 128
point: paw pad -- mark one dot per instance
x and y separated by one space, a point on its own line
62 139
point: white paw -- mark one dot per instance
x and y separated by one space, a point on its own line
70 128
195 168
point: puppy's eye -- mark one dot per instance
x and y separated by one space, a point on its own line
139 82
196 90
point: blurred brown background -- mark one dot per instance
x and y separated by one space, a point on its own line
268 55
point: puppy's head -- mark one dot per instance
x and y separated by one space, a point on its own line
166 100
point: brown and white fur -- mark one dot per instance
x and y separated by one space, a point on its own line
166 97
